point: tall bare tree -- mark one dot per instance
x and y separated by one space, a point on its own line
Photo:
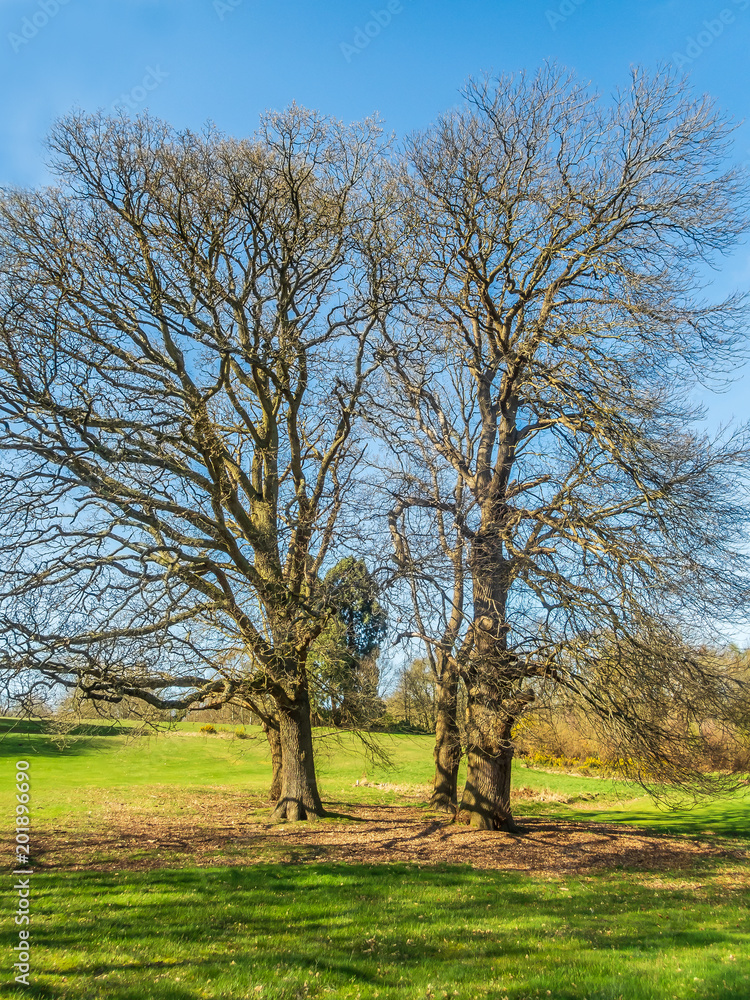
558 245
185 328
430 553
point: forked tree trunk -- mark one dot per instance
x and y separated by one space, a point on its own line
485 803
274 742
447 752
299 798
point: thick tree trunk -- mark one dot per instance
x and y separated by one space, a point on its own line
447 752
485 803
274 742
299 797
494 686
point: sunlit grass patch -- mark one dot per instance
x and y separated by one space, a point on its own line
294 925
384 931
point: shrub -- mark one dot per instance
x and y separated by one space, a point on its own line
208 728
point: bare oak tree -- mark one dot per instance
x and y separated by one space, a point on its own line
185 326
557 321
430 553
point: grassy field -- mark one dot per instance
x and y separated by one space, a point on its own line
243 927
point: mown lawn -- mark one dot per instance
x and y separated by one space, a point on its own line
66 767
340 930
386 931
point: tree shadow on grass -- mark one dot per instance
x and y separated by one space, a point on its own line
14 747
721 818
42 727
333 811
391 928
39 738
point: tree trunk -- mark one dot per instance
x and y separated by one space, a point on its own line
274 742
485 803
299 797
494 687
447 752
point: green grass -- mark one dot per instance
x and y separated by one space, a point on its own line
334 930
386 931
110 757
70 773
726 817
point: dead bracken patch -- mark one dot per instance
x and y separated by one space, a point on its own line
421 792
543 795
223 830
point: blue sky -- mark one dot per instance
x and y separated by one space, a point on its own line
227 60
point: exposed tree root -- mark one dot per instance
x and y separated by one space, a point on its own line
443 803
483 821
293 811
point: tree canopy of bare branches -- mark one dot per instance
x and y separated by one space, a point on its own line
557 320
185 330
193 329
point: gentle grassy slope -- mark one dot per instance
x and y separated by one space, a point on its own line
728 817
69 774
112 759
109 757
332 930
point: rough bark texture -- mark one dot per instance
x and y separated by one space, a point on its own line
274 741
447 752
494 697
299 797
485 803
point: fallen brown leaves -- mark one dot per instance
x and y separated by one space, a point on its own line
223 830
